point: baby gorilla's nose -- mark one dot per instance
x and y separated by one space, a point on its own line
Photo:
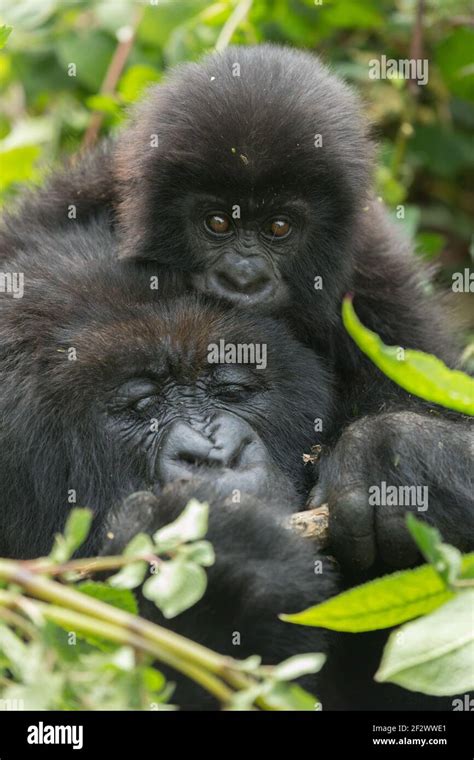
239 278
187 452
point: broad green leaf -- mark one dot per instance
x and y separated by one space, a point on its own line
5 32
434 655
419 373
446 559
381 603
454 58
75 533
191 525
90 50
177 586
117 597
298 666
132 575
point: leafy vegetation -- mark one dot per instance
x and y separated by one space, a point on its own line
71 643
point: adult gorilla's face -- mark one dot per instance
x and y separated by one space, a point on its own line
118 390
247 172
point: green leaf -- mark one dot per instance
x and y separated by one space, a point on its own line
18 165
135 80
14 649
419 373
5 32
191 525
289 696
103 103
435 654
132 575
430 244
445 559
454 58
177 586
117 597
298 666
90 50
381 603
201 552
75 533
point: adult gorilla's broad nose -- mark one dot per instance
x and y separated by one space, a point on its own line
225 451
204 451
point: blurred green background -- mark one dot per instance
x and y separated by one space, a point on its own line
69 71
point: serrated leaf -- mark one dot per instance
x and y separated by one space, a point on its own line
191 525
123 599
75 533
422 374
132 575
434 655
299 665
178 585
381 603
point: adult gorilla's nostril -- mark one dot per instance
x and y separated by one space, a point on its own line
187 453
193 458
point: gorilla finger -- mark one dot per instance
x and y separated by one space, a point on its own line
396 547
352 530
317 496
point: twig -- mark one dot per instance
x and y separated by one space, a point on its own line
312 523
126 37
416 44
233 22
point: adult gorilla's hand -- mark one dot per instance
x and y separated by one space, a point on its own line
386 465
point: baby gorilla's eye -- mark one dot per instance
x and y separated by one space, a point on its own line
219 224
279 228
